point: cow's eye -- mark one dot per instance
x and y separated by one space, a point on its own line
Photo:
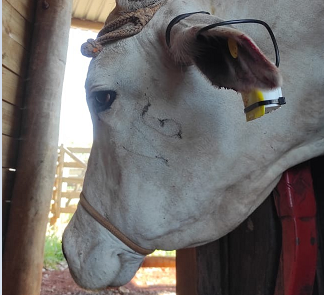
103 100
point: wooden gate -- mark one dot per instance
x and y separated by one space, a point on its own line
70 171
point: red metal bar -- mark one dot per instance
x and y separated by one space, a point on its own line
296 208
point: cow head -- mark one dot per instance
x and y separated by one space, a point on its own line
173 162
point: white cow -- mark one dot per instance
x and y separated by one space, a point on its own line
174 163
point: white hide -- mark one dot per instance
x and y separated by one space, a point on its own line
174 163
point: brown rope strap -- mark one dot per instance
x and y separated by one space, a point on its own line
115 231
127 25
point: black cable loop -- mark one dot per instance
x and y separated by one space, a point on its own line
247 21
224 23
175 21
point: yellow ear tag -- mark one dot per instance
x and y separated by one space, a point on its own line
250 98
232 46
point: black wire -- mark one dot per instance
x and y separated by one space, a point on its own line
175 21
247 21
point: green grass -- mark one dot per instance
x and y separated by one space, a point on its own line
53 254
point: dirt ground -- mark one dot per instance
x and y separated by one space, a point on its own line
147 281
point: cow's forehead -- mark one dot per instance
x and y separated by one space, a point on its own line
106 73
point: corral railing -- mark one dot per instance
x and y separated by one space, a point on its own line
70 171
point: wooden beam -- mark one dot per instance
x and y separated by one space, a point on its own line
8 177
73 165
70 195
12 87
70 209
24 245
155 261
11 119
12 24
24 8
73 179
59 181
79 150
86 24
9 151
14 55
186 272
74 157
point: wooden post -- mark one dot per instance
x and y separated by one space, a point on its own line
24 247
186 272
59 182
56 207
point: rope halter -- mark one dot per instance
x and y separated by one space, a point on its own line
111 228
126 25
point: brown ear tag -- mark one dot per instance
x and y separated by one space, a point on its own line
233 48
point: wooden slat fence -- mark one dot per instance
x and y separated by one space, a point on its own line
71 167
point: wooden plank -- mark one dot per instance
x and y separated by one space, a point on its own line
73 179
73 165
74 157
78 180
86 24
59 169
246 260
70 209
11 120
186 272
15 25
255 248
25 7
8 178
14 56
79 150
9 151
12 87
155 261
212 268
55 204
5 215
70 195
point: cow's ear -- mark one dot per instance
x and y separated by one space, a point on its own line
227 57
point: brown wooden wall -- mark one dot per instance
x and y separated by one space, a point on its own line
17 25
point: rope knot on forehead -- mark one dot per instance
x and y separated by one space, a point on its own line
126 25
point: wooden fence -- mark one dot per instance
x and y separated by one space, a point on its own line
71 167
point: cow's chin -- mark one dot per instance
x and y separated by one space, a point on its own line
96 265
